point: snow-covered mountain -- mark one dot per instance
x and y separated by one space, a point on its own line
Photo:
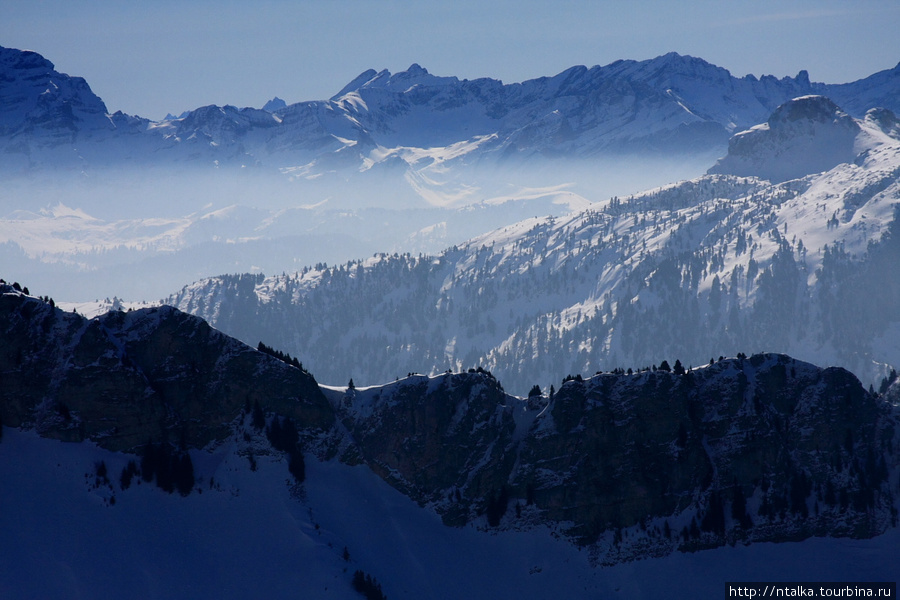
626 467
691 270
672 103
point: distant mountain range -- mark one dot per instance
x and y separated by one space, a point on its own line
693 270
413 119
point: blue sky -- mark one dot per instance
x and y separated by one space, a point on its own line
150 58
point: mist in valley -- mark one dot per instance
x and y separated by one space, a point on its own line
142 233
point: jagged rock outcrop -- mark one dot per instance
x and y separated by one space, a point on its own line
126 378
35 99
806 135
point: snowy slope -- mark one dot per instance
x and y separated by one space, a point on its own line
250 536
246 536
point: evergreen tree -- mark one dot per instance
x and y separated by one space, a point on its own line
800 490
128 473
297 465
165 472
149 462
496 506
184 474
714 519
259 417
694 531
681 439
368 586
739 507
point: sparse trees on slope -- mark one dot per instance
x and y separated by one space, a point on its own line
368 586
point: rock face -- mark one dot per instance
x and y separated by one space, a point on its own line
127 378
446 441
807 135
764 448
36 99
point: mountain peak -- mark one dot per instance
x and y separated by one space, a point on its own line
358 82
11 58
685 61
417 75
274 104
810 108
397 82
37 99
806 135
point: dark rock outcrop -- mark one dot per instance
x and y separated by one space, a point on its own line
616 450
126 378
764 448
446 441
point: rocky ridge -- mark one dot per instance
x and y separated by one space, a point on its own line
764 448
630 464
127 378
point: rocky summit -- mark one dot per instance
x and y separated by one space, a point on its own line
629 464
807 135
